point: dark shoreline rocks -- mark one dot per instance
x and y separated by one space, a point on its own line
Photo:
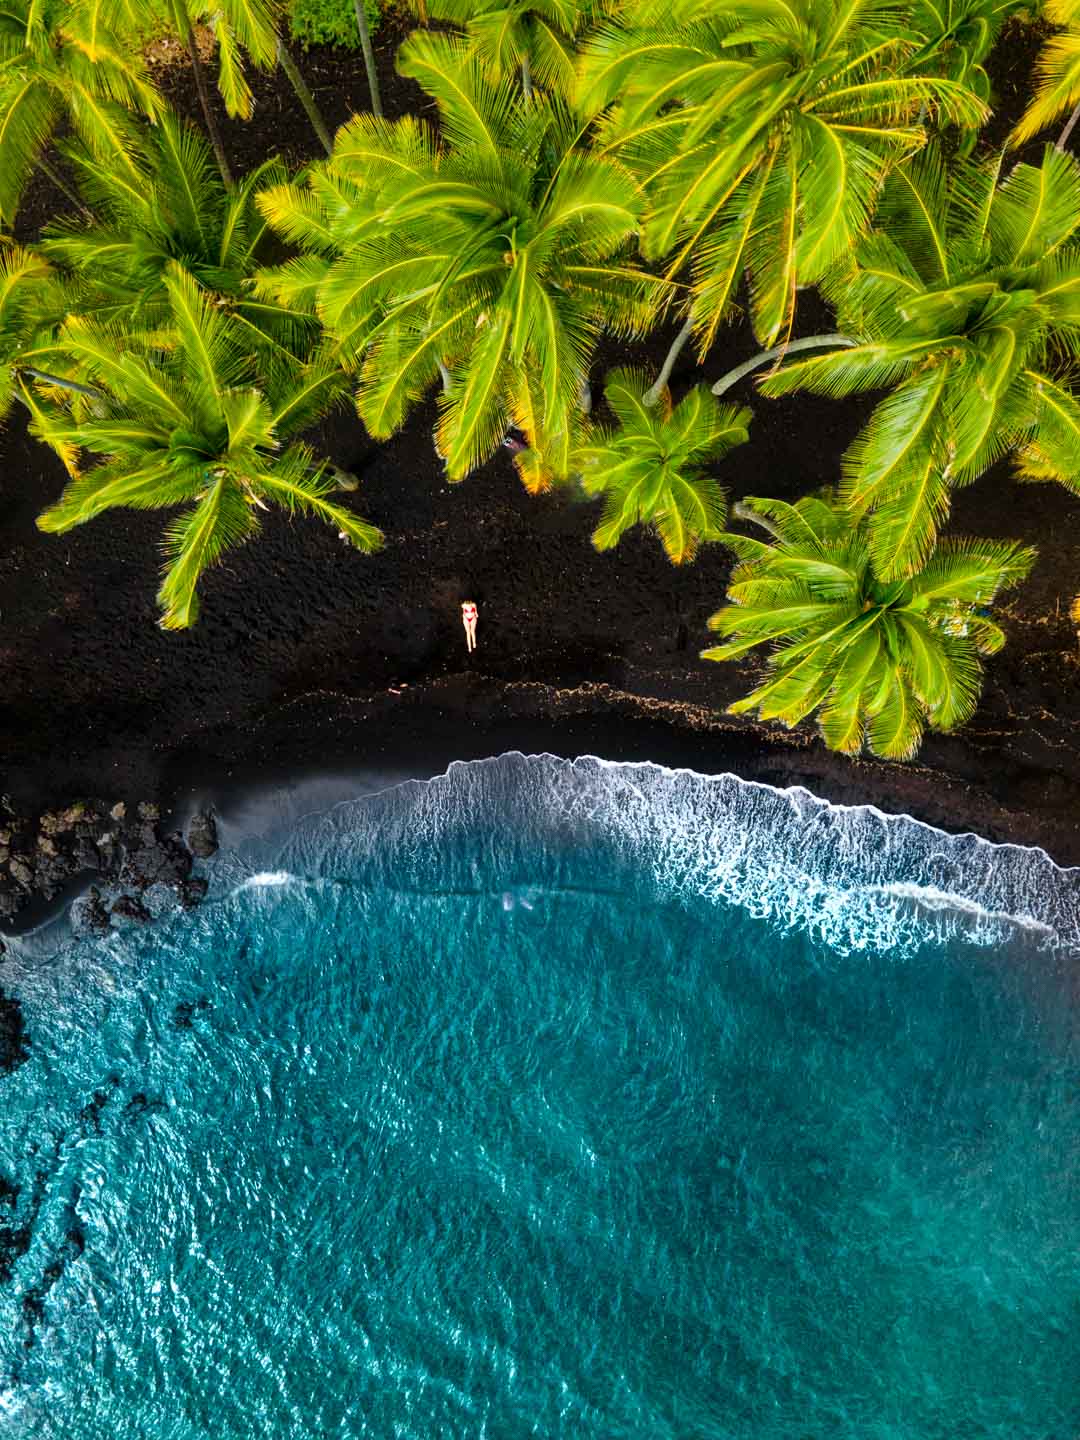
126 849
42 856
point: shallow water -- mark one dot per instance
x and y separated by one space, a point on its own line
559 1100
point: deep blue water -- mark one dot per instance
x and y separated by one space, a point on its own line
550 1100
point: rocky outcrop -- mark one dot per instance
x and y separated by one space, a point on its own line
128 907
202 835
121 846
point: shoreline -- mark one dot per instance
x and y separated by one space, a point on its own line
416 731
420 732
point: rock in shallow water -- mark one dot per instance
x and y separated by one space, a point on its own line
127 907
202 836
13 1042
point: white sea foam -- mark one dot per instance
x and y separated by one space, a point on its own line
851 875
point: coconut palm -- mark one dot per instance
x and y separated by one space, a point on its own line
67 57
535 38
958 35
650 471
179 211
364 31
966 300
490 255
184 418
762 131
243 29
1057 76
879 660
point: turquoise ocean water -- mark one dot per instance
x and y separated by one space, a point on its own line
558 1100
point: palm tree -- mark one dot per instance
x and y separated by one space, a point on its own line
650 471
762 131
1057 76
68 57
32 304
878 659
250 28
966 300
490 256
184 418
958 35
534 38
179 212
364 29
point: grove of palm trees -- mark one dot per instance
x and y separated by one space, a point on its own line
777 302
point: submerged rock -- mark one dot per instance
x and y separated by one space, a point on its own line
13 1040
202 835
193 892
89 913
127 907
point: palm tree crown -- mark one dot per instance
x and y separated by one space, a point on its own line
650 470
179 211
533 37
491 255
1057 73
962 299
878 659
761 130
183 418
66 56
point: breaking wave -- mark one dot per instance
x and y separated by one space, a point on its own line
853 877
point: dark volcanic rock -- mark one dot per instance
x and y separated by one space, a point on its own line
13 1041
184 1014
167 860
202 835
141 1104
90 912
127 907
193 892
22 872
52 872
14 1241
90 1114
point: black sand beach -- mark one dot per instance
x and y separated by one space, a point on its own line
309 657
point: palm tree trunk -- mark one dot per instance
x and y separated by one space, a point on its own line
652 395
444 375
1063 138
62 185
369 57
307 100
526 77
808 342
585 396
183 24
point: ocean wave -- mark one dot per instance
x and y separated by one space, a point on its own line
852 876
